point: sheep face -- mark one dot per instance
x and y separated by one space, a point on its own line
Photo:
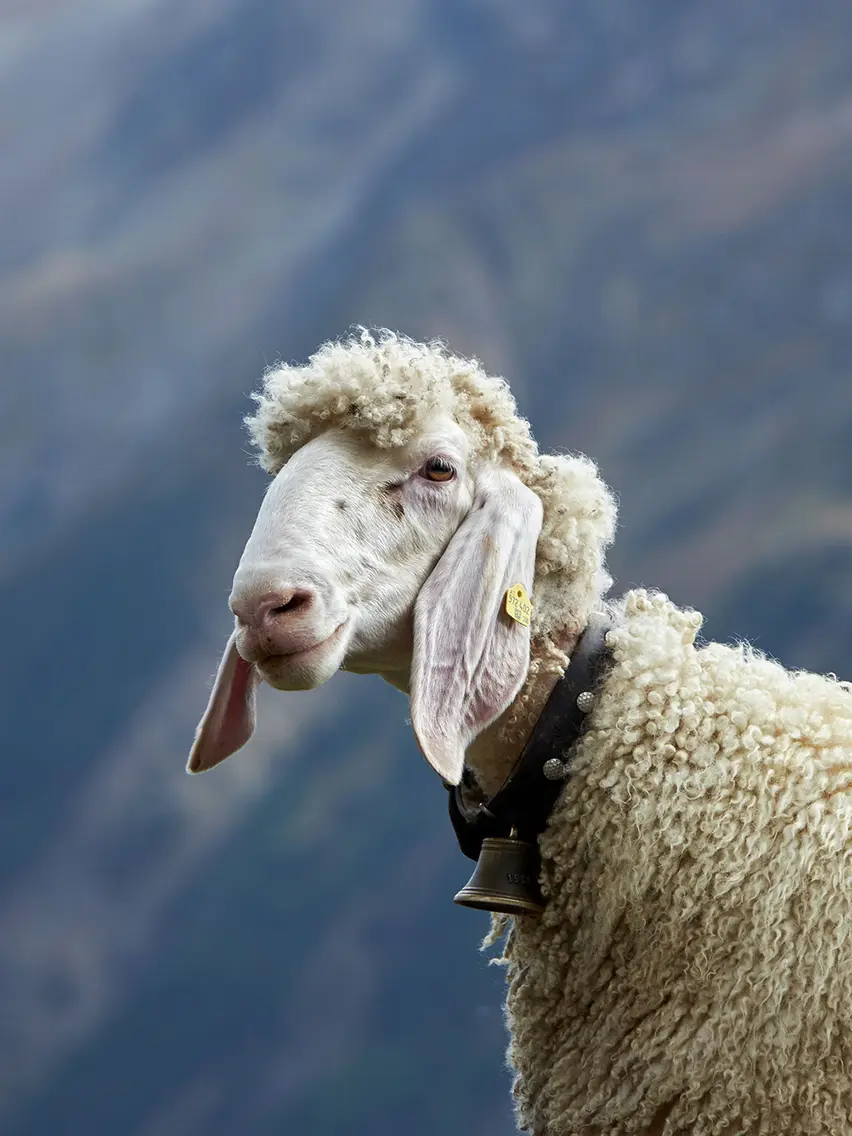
388 561
344 539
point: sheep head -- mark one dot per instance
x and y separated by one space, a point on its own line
407 497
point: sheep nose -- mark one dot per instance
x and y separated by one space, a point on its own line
272 611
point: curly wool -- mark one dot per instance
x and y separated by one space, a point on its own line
388 387
694 953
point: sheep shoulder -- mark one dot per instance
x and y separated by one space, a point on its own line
694 960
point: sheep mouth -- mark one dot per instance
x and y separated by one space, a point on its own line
273 668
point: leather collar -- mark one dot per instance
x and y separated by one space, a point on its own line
527 797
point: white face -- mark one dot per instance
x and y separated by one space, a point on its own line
344 540
395 562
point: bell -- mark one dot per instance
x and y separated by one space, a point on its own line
505 878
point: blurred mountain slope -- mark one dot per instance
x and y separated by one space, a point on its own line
638 215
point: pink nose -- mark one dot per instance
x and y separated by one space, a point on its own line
275 611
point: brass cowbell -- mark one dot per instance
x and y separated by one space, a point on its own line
505 878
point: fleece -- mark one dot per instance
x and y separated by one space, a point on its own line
694 962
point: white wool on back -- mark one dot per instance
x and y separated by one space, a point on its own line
696 944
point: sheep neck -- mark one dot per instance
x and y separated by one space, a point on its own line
494 754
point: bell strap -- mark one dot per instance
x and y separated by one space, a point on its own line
527 797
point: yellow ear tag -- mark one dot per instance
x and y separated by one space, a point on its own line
518 605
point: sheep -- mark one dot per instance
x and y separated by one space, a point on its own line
690 972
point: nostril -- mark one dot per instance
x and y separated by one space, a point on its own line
254 611
285 603
297 600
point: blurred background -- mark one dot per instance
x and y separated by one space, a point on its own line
637 212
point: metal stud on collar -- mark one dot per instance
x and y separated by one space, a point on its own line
554 769
585 701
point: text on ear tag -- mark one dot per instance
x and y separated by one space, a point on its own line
518 604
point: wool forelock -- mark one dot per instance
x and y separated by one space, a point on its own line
695 948
388 387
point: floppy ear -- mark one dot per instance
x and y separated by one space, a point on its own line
229 719
470 658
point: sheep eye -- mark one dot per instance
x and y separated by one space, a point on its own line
438 469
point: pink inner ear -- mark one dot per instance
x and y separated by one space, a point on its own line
238 717
229 720
487 700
